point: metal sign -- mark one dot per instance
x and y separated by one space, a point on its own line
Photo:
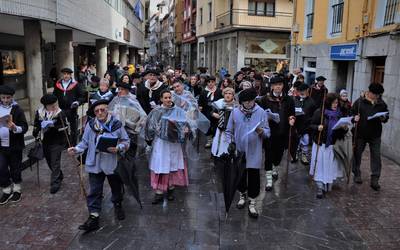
344 52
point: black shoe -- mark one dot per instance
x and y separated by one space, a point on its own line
320 193
170 195
375 185
158 198
91 224
5 198
119 211
15 197
357 179
54 189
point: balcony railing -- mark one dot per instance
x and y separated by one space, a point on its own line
392 7
237 17
337 18
310 25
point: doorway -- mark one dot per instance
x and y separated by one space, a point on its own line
378 69
341 75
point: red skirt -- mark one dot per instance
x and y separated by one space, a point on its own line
162 182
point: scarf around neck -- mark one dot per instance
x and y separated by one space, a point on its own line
48 115
156 86
332 118
211 92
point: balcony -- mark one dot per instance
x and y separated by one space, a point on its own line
237 18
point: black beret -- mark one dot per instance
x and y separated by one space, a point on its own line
376 88
320 78
302 87
203 70
95 79
67 70
258 77
152 71
247 95
48 99
276 79
124 85
97 103
297 84
211 78
136 75
7 90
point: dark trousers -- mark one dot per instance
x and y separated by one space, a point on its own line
72 118
96 182
375 154
10 167
274 148
250 182
52 153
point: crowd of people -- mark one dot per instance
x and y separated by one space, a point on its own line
260 114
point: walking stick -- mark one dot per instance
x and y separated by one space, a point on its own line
319 136
354 138
80 175
288 156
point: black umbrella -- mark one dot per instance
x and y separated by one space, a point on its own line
126 170
233 168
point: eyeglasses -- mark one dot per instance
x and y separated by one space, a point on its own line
97 111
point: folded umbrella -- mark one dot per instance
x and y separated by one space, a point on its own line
343 150
126 170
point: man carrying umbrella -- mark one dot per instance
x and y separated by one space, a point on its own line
102 162
247 127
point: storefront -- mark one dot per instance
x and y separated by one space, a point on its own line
343 57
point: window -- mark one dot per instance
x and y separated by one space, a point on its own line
337 16
309 19
261 7
209 11
201 15
390 11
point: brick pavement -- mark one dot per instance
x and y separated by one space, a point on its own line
351 217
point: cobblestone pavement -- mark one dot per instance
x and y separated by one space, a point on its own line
351 217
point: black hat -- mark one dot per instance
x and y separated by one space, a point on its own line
152 71
97 103
320 78
203 70
247 95
6 90
302 87
95 79
275 80
211 78
136 75
67 70
258 77
48 99
376 88
297 84
124 85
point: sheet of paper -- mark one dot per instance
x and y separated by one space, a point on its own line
377 115
252 130
4 113
344 121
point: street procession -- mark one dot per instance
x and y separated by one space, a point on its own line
199 124
247 126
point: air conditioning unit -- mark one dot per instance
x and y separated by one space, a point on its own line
295 28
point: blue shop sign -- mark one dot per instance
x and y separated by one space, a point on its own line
346 52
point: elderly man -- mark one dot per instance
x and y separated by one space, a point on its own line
318 91
154 87
101 163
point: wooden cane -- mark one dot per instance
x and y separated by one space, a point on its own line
355 137
288 156
80 175
319 136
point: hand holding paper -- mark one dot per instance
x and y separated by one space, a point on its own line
343 122
378 115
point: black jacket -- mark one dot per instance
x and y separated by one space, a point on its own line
155 95
67 96
373 128
205 102
338 134
17 141
142 95
318 94
304 117
53 135
284 106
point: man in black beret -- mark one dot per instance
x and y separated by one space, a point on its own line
318 91
277 102
13 126
50 126
304 110
369 131
153 89
70 95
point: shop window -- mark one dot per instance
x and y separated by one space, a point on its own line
378 69
13 62
266 46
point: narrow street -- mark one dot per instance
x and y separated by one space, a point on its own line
351 217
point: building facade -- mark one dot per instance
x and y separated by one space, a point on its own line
36 36
189 47
237 33
352 43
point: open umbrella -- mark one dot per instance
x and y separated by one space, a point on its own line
233 168
126 170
